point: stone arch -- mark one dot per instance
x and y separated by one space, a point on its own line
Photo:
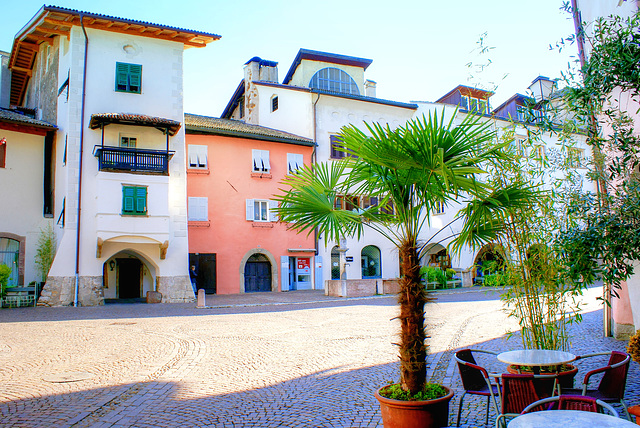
272 260
112 267
489 252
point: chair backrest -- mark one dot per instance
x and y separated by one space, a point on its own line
473 379
518 391
577 402
615 379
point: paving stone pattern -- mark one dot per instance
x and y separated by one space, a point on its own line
296 359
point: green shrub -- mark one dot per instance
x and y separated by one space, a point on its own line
431 391
434 274
5 271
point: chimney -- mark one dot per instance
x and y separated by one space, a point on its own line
258 69
370 88
541 88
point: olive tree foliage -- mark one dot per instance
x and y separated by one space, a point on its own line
605 244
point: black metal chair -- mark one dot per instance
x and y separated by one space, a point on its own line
475 379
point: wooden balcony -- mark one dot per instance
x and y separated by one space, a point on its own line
139 161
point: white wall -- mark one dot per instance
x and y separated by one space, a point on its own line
161 96
21 209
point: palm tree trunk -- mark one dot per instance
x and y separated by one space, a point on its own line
413 350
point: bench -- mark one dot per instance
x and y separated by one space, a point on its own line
16 297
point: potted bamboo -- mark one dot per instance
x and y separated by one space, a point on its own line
410 170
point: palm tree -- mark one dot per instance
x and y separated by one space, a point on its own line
410 170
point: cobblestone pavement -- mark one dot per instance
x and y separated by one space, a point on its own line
296 359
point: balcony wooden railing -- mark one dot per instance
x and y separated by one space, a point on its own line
141 161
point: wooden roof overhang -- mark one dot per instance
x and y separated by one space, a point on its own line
168 126
53 21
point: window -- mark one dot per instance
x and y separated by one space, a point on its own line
197 156
369 201
128 77
3 152
261 210
370 262
260 160
274 103
10 256
346 202
241 108
294 162
334 80
518 145
464 102
64 157
337 149
129 142
438 208
198 209
134 200
575 157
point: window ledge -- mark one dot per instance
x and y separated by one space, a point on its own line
194 223
262 224
198 171
261 175
133 215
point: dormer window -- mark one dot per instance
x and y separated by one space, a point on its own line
334 80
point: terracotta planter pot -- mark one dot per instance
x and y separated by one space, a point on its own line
565 378
415 414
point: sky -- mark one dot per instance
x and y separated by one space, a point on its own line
421 49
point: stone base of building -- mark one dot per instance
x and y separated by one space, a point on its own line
623 331
60 290
175 289
361 287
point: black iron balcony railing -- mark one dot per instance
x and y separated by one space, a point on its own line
142 161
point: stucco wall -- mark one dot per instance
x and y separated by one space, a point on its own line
21 209
228 183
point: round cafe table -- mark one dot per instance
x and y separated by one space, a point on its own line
536 358
568 419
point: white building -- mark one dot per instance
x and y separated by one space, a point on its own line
320 94
323 92
113 88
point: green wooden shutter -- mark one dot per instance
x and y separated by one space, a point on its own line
128 196
122 73
141 200
135 78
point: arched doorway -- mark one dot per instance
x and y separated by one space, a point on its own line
488 260
335 263
127 276
370 262
257 274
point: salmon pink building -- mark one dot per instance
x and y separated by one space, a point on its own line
236 243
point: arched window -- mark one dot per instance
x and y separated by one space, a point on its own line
370 262
9 255
335 263
334 80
